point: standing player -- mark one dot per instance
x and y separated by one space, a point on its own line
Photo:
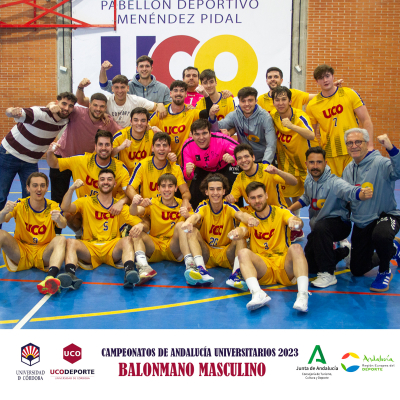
337 110
271 258
226 105
211 244
190 76
35 243
179 119
165 241
148 171
120 103
86 167
101 240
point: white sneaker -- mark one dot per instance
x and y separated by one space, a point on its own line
301 303
259 299
346 243
324 279
145 273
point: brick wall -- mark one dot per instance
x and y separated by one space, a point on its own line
361 40
28 62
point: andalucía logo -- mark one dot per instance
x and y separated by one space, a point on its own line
352 368
30 354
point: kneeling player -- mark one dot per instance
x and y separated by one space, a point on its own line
211 245
271 258
35 243
165 240
101 240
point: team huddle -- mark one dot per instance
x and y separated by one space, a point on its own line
182 174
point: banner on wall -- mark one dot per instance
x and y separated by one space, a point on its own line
239 39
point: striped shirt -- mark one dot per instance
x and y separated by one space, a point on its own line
36 129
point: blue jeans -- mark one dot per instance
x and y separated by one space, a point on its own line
9 167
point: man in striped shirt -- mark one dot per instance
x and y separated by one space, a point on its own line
29 139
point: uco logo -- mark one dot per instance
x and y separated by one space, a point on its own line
72 353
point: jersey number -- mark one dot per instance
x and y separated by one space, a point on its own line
335 119
105 226
213 242
266 246
176 139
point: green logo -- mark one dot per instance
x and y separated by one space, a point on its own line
321 355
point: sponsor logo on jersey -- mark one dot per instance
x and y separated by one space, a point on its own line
216 229
335 110
264 235
36 229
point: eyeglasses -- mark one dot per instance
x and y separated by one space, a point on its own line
358 143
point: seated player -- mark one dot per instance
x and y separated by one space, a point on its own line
35 243
210 245
270 176
164 241
271 258
148 171
120 103
101 240
86 167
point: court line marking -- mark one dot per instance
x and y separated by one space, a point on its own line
11 321
2 266
32 312
49 191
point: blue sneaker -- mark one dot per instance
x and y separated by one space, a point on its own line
396 244
198 275
381 282
236 281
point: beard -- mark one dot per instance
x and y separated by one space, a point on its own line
106 190
262 207
179 102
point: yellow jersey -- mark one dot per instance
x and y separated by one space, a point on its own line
225 106
31 226
271 238
137 151
98 224
146 175
299 99
335 115
176 125
217 224
291 146
272 185
85 167
163 218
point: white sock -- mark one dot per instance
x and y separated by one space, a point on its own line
236 264
199 260
188 258
302 283
253 285
141 258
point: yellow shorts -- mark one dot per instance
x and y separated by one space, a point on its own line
294 191
31 256
338 164
218 257
275 272
100 253
162 250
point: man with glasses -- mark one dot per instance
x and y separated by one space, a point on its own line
336 110
377 221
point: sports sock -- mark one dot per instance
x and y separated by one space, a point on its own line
70 268
188 258
141 258
79 232
302 283
53 271
253 284
236 264
129 265
199 260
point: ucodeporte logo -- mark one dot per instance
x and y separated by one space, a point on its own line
72 353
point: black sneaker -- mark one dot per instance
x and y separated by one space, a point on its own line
69 281
131 278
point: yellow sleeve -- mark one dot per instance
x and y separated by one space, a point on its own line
125 176
79 204
286 215
278 179
310 114
305 122
128 218
65 163
235 191
179 175
303 96
118 138
355 98
201 104
196 115
147 211
137 176
155 121
14 212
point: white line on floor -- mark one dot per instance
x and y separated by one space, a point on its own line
32 312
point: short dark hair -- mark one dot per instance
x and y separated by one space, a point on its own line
274 69
187 69
279 90
178 83
67 95
102 133
321 70
98 96
37 175
316 150
200 124
208 74
252 186
214 178
246 92
167 177
120 79
107 171
140 110
243 147
144 58
163 136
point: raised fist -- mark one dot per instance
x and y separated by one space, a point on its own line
106 65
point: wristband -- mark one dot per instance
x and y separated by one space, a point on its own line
80 88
